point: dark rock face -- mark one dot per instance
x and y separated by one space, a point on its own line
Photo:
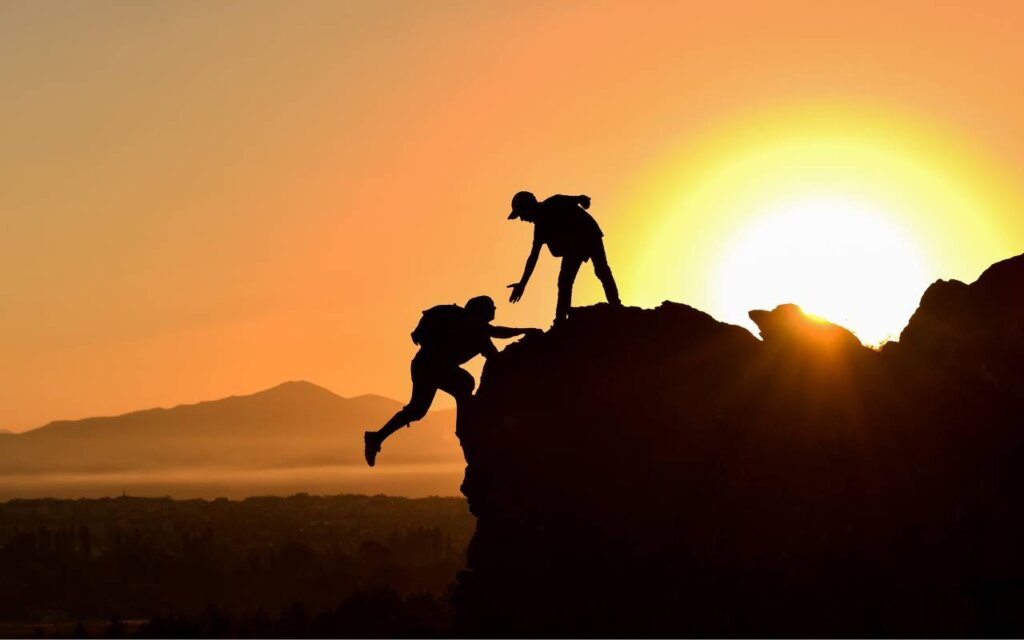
658 473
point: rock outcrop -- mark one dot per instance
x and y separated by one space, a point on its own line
659 473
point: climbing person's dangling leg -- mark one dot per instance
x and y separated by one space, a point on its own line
424 388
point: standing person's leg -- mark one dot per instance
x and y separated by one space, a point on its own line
604 274
566 278
424 388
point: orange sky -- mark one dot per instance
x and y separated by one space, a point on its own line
200 199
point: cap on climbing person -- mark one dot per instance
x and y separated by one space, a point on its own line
521 202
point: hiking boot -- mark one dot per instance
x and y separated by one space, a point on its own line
371 446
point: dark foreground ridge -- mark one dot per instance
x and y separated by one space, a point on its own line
656 472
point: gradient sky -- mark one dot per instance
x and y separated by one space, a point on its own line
200 199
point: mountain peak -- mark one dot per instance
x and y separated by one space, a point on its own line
297 388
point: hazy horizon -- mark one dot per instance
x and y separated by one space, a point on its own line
405 480
294 437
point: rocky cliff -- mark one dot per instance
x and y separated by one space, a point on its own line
659 473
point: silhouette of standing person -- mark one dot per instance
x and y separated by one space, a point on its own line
448 336
563 224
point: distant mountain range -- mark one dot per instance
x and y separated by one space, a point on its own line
295 424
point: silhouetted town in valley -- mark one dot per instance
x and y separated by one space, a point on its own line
301 566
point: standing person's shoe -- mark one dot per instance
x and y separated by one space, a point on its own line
371 446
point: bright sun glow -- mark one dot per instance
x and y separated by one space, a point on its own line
850 213
836 257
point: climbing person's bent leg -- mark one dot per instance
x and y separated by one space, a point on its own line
459 383
424 388
604 274
566 278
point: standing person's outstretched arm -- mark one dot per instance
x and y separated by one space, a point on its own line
519 287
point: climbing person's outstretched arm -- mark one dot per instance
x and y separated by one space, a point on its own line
519 287
487 349
509 332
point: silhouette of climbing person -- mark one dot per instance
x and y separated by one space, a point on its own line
448 336
563 224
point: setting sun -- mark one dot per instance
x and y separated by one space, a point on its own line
841 210
838 258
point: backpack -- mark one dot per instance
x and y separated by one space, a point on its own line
438 325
